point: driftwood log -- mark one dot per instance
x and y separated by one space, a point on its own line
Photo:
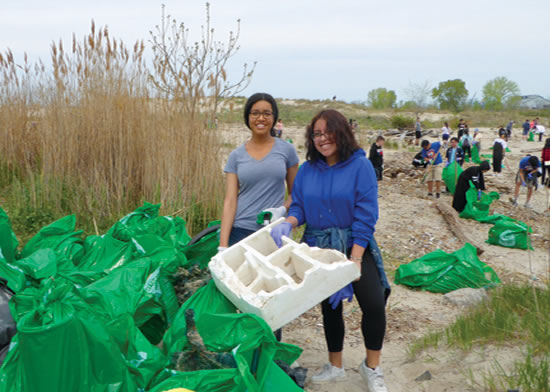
457 227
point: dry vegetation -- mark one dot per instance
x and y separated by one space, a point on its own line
94 134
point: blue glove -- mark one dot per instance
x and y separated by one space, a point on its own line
479 194
530 176
282 229
337 297
523 183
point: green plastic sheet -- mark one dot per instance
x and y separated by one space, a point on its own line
450 176
442 272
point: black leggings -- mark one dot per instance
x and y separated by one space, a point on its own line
497 165
370 295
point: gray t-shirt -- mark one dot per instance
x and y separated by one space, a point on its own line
261 183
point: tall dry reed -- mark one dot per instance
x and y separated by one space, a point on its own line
88 135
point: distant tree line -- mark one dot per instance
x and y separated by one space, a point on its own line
498 93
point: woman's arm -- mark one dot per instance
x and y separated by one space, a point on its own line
290 176
229 207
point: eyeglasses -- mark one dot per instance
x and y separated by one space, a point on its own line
327 134
256 114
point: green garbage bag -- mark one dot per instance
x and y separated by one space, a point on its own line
103 253
477 209
223 330
531 137
61 237
15 276
246 336
133 289
126 227
8 240
450 176
202 251
219 380
510 233
475 154
205 299
40 264
61 346
442 272
142 358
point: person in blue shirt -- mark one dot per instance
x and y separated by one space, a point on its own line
432 152
526 127
336 195
526 176
454 153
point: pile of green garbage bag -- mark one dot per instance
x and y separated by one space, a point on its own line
507 232
450 176
100 313
442 272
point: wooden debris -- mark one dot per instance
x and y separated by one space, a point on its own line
457 227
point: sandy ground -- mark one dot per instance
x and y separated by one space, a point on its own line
409 227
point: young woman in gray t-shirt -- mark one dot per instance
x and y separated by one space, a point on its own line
256 173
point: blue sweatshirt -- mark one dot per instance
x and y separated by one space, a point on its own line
344 195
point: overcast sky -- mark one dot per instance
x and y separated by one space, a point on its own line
317 49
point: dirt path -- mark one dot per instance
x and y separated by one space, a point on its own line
409 227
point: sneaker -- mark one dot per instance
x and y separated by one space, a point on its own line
514 201
329 373
527 205
373 378
430 194
437 195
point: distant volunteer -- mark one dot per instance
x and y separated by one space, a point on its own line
454 153
467 141
499 152
527 174
432 152
257 173
335 194
376 156
445 134
472 175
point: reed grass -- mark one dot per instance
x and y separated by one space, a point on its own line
517 315
88 135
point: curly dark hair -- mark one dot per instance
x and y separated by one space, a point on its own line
339 127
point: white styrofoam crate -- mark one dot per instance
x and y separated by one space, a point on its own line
279 284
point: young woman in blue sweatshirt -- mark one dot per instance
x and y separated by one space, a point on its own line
335 193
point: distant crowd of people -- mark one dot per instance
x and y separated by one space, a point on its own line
435 155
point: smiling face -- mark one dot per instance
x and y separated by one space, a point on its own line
324 141
260 118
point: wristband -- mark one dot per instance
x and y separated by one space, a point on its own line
357 259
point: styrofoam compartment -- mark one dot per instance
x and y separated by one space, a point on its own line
279 284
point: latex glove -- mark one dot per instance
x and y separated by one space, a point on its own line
530 176
276 213
221 249
282 229
523 183
479 194
337 297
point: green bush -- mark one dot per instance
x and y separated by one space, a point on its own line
401 122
